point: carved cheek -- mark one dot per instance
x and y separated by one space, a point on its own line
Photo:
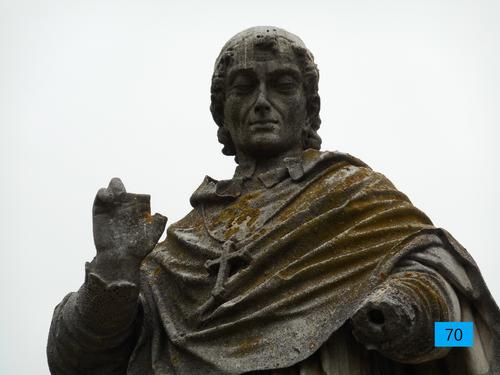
232 112
281 105
299 106
291 108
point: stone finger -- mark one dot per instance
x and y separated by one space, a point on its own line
102 201
104 195
116 187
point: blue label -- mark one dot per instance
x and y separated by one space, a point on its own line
453 334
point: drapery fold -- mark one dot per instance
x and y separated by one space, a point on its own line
319 246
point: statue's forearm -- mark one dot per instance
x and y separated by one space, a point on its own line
95 327
399 319
107 304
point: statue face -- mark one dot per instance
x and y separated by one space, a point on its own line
265 107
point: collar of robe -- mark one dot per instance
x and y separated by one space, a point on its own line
213 190
296 168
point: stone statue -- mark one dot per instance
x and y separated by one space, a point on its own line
305 262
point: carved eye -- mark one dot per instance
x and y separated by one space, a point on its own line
243 85
286 84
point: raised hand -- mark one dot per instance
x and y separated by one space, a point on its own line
124 229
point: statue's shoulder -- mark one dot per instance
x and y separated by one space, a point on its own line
315 160
345 164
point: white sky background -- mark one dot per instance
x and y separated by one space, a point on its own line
95 89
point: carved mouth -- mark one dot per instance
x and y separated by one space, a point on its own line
263 124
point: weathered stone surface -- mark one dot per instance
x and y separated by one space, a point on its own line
305 262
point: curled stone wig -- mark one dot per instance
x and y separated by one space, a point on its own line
243 47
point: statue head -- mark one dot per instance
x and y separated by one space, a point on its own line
264 94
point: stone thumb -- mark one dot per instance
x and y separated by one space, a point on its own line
159 223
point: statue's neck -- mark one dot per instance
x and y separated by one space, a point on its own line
266 164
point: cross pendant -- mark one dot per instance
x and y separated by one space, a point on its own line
229 260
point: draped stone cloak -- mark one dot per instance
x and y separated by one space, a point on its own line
264 277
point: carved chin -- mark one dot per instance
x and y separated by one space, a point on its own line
265 143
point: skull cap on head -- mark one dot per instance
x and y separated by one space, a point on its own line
261 43
253 32
259 35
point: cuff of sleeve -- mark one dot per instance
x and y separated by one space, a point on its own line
107 306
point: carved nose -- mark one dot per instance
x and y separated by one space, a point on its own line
262 105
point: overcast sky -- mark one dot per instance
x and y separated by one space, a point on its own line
93 89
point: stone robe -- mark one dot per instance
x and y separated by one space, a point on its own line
264 274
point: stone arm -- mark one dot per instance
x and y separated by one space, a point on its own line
94 330
398 318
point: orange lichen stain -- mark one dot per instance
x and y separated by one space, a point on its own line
174 358
231 232
148 217
310 154
156 272
238 213
248 345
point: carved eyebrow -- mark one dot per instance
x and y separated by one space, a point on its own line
294 73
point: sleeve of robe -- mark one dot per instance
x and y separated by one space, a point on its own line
94 330
450 277
343 354
408 303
